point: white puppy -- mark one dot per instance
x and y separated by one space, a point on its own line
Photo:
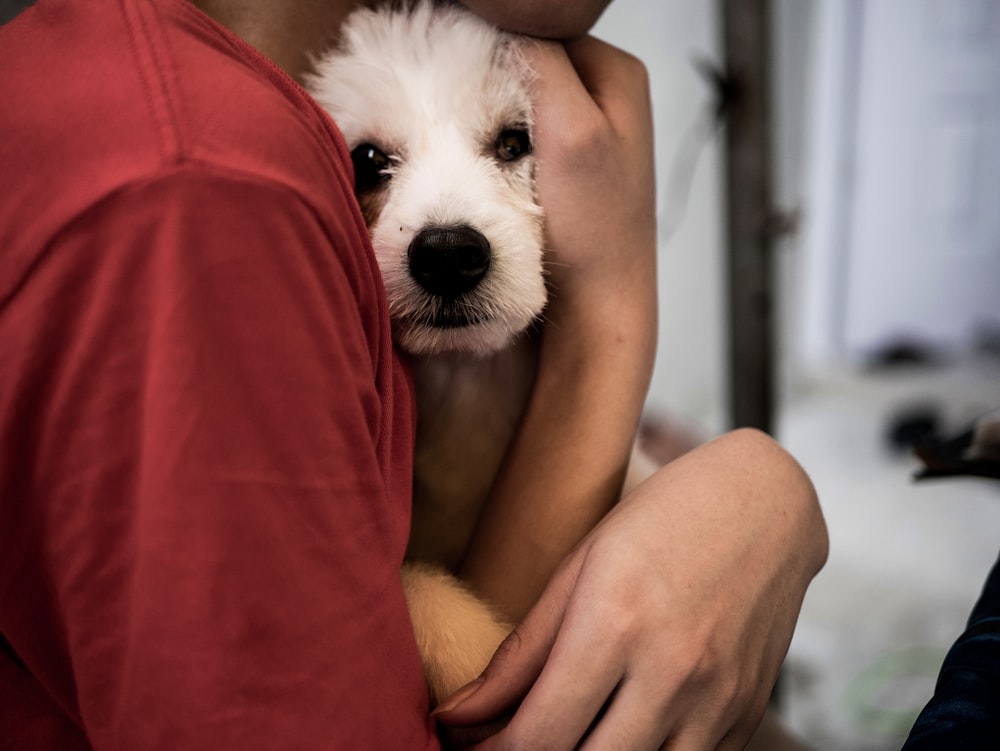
433 104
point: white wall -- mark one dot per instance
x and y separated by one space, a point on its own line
924 255
899 233
902 173
796 97
666 34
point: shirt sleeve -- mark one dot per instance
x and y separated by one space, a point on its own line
206 548
963 713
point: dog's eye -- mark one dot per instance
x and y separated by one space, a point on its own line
513 144
371 166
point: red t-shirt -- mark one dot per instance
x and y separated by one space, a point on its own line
205 434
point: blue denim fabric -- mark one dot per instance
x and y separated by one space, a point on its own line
965 710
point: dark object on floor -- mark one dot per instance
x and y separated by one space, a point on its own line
987 338
912 426
903 352
974 452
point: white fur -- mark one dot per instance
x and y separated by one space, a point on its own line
433 88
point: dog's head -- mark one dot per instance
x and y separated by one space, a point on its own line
434 107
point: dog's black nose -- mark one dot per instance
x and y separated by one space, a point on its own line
447 261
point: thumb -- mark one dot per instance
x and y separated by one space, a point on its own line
517 663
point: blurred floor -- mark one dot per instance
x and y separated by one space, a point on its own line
907 558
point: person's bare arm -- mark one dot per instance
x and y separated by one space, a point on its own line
595 181
672 618
548 19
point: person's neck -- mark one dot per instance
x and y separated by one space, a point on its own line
286 31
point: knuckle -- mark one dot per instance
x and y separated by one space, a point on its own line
618 629
509 647
703 658
730 691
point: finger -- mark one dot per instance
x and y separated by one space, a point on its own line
603 67
584 80
614 79
460 738
735 741
516 664
699 730
743 734
504 683
592 121
575 685
634 720
559 95
584 669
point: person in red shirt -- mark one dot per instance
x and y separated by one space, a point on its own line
205 432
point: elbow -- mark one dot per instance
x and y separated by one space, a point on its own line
792 481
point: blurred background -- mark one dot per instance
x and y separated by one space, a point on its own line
883 125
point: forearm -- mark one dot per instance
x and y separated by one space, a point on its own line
564 469
566 465
550 19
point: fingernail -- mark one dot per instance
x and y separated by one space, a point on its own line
459 696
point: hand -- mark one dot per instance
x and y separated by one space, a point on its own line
667 627
596 175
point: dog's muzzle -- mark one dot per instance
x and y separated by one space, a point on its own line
449 261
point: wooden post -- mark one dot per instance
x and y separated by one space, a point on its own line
746 44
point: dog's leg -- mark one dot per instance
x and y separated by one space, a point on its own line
457 632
